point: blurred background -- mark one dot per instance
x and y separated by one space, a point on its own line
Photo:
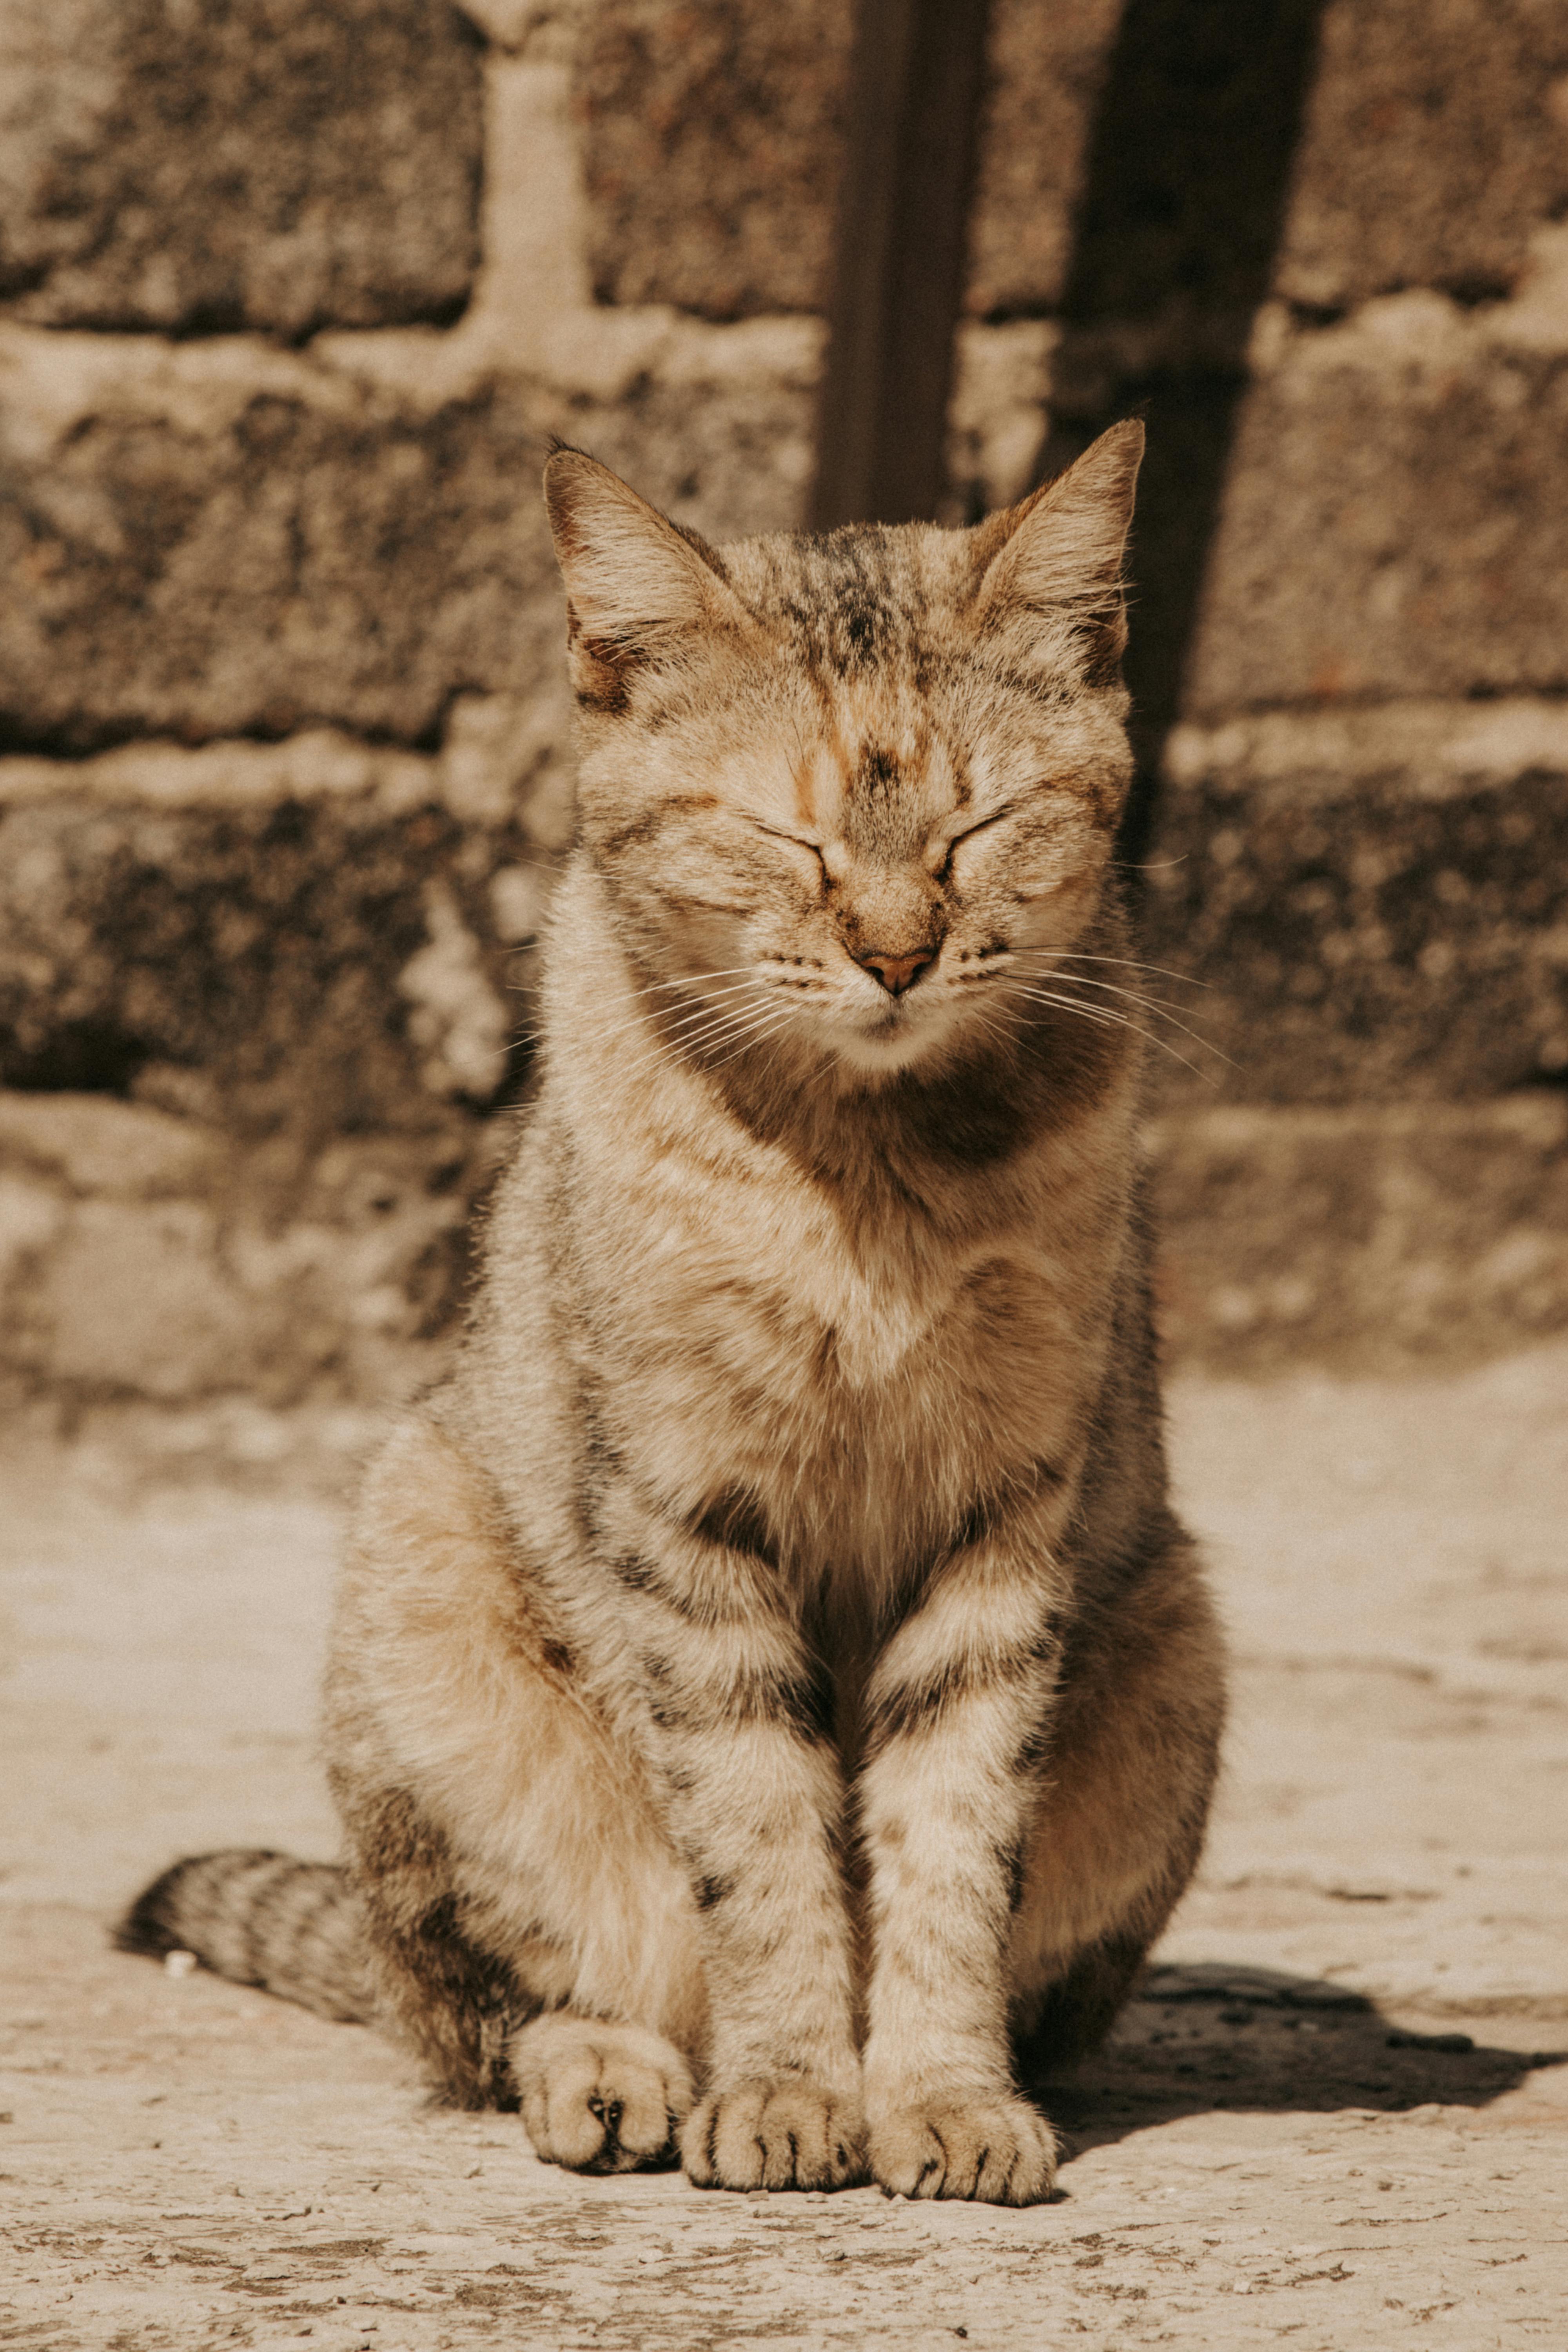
292 295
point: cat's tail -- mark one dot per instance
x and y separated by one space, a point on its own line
293 1928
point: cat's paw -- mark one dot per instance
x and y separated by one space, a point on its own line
600 2097
788 2133
999 2151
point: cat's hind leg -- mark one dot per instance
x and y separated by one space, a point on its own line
1124 1797
532 1932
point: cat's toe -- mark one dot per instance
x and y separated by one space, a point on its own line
599 2098
997 2151
786 2134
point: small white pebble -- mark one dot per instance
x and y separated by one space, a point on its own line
179 1964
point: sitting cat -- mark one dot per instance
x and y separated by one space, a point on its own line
771 1697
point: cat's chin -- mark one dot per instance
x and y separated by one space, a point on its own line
889 1048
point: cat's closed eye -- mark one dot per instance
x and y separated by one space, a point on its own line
945 853
796 841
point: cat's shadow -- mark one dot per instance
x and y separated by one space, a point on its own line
1208 2039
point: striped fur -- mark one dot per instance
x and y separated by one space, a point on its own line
771 1690
293 1928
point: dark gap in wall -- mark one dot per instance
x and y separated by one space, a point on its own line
74 741
81 1057
1475 289
916 86
228 316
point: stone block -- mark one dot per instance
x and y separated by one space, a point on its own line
30 1217
1385 1234
1430 139
1130 155
216 164
91 1144
146 1255
713 146
1375 902
1436 143
134 1299
1392 516
217 542
323 964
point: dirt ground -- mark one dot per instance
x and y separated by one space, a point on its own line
1337 2116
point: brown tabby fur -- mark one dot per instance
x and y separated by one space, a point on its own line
770 1688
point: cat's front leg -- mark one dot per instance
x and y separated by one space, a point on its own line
956 1711
753 1800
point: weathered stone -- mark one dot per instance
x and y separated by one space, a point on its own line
211 541
146 1255
1392 518
1368 1233
134 1299
90 1147
30 1216
1133 156
1375 902
322 965
1431 140
998 417
1436 143
712 152
224 163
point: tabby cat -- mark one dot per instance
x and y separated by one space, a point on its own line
773 1707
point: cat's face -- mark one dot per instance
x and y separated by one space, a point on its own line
854 792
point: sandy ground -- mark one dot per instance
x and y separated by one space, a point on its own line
1335 2118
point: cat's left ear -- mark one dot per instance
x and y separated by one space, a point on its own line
1059 551
640 593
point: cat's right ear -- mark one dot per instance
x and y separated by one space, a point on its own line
640 591
1058 554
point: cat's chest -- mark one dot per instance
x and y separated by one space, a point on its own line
792 1293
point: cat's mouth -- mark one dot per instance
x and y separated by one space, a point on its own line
881 1039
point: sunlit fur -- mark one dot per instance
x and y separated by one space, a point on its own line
772 1699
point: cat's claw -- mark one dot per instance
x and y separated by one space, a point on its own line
999 2151
600 2097
789 2134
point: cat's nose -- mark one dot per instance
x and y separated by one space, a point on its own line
897 972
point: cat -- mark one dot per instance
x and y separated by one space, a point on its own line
772 1708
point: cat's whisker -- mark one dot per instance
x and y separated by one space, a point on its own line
698 1040
1084 980
1128 963
648 1014
995 1030
739 1038
699 996
1105 1014
1155 1006
1109 1019
763 1030
663 1036
690 980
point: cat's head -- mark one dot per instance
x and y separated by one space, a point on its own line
858 790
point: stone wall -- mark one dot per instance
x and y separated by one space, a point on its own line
284 763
